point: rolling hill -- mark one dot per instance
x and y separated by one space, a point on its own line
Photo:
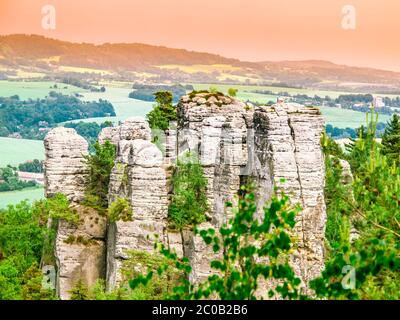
35 53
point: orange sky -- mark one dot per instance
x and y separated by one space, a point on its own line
247 29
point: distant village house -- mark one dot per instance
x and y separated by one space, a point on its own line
30 176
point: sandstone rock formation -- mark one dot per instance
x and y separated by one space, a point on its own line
79 250
272 146
287 146
138 176
65 171
236 143
131 129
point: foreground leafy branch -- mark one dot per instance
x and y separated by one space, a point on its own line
250 251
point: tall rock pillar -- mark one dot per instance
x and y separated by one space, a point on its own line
138 176
79 249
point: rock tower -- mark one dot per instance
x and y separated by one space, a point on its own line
273 146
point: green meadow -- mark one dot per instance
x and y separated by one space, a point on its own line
124 106
16 151
34 90
14 197
344 118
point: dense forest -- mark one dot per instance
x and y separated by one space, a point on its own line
32 119
9 180
339 133
89 130
35 166
146 92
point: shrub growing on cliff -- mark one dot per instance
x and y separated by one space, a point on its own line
189 202
57 208
163 112
120 209
232 92
100 164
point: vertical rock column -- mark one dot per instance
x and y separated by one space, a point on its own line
214 127
288 147
139 177
79 249
65 171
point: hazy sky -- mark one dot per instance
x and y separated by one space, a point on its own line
251 30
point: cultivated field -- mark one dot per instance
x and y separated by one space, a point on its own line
34 90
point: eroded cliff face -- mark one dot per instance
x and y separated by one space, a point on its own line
140 177
239 143
288 147
65 171
79 249
236 143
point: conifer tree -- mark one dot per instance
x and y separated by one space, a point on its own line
163 112
100 164
79 292
391 140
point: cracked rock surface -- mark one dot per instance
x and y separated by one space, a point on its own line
274 146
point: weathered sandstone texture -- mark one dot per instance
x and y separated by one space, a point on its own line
274 146
65 171
79 250
138 176
289 156
237 143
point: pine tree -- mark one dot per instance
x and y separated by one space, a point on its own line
163 112
79 292
359 150
391 140
100 164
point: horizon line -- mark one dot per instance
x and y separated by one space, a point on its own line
200 52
